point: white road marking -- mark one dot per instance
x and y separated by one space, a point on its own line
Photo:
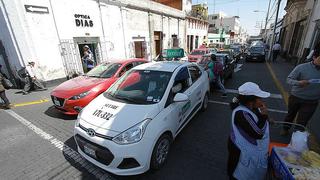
227 104
276 96
95 171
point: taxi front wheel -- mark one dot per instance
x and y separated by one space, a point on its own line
160 152
205 102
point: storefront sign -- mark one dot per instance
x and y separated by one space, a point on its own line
83 20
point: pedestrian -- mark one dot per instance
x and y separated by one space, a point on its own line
276 48
3 96
31 79
305 91
249 138
2 73
217 69
87 58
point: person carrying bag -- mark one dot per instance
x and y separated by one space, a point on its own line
3 83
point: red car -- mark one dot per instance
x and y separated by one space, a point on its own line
73 95
197 54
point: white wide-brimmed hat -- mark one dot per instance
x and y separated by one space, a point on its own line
252 89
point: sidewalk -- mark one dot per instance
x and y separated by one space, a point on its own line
16 97
282 69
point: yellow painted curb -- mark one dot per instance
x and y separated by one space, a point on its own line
278 84
31 103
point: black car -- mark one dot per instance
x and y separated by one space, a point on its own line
228 64
256 53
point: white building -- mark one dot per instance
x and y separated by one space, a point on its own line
312 32
53 32
197 27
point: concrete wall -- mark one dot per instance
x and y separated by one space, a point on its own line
116 25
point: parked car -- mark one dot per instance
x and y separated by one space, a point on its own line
197 54
256 53
129 128
73 95
213 50
228 64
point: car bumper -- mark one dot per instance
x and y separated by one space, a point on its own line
69 107
256 58
139 152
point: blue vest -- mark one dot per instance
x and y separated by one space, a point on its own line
253 161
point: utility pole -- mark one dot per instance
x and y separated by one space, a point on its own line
265 26
274 30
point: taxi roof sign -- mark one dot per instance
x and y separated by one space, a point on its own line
173 53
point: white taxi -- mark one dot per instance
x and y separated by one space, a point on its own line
129 128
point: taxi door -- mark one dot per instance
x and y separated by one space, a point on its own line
196 88
177 112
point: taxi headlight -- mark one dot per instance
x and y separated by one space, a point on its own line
133 134
79 96
78 119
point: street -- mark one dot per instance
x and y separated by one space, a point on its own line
37 140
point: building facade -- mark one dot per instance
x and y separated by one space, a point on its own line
312 32
226 29
294 28
53 33
197 26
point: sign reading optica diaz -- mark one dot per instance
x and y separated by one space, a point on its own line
173 53
83 20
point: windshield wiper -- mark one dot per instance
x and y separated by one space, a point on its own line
127 99
94 76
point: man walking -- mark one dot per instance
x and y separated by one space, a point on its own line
87 58
276 48
3 96
305 92
217 69
31 79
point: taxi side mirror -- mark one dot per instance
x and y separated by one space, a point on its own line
180 97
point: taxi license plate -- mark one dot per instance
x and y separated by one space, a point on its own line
89 151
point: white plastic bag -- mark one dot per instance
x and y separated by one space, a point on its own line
299 141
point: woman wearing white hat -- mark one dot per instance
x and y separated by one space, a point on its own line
249 139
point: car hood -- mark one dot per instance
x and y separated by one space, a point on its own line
116 116
77 85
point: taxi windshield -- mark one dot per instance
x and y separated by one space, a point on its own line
140 87
106 70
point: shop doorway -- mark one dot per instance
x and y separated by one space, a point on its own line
191 43
196 42
140 47
94 48
158 42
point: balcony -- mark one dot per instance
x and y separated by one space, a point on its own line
177 4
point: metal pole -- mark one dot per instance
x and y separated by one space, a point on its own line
265 26
274 29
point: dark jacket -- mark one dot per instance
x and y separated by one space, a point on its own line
1 85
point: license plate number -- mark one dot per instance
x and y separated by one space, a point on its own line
89 151
254 57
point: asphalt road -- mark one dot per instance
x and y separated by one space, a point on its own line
36 140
